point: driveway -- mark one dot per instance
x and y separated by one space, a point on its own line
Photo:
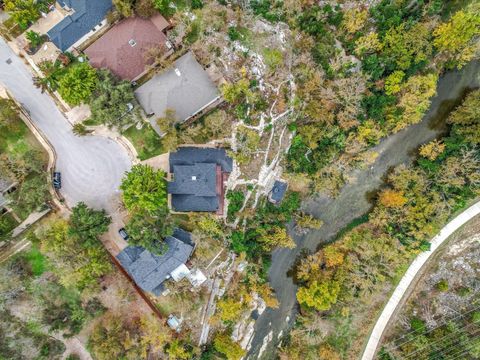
91 166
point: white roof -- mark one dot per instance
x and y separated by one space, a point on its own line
180 272
197 278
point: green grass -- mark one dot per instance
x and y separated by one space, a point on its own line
37 261
146 141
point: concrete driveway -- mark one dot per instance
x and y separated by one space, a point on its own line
91 166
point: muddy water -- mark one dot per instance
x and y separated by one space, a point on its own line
353 202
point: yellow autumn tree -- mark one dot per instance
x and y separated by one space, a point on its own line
392 198
432 149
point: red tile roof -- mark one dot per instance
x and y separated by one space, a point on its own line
114 49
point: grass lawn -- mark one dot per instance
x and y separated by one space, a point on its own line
146 141
37 260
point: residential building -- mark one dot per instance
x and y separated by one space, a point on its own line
6 187
124 48
150 271
185 88
85 17
198 179
278 191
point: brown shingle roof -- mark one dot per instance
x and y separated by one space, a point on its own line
122 49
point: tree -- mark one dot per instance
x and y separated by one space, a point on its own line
124 7
8 114
230 309
145 8
234 92
415 99
87 224
432 150
319 295
144 189
305 221
147 229
52 73
177 350
78 83
166 7
466 118
169 130
392 198
225 345
34 38
23 12
273 58
393 81
112 101
273 237
455 38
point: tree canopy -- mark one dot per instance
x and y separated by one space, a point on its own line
78 83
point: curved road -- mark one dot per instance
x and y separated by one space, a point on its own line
409 277
91 166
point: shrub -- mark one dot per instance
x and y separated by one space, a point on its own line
442 285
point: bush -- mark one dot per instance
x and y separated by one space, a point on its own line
235 203
417 325
442 285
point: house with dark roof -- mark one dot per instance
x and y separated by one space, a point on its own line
185 88
198 178
150 271
123 49
86 16
278 191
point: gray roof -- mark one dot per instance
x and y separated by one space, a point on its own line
278 191
189 155
194 187
184 88
5 183
198 179
148 270
87 14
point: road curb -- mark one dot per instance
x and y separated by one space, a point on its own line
409 276
57 199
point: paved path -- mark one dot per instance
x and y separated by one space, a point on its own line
91 166
409 277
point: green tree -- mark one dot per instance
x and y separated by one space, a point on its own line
124 7
144 189
23 12
87 224
52 73
147 229
112 100
225 345
166 7
456 38
319 295
78 83
466 118
145 8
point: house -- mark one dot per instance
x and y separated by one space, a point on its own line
150 271
123 49
278 192
185 88
86 16
198 181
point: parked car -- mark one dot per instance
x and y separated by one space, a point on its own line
57 180
123 233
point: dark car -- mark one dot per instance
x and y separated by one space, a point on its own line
57 180
123 233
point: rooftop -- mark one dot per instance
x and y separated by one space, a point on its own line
123 48
278 191
184 88
198 175
86 15
148 270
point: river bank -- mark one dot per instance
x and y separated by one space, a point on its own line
353 202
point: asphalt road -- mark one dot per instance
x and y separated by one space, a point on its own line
352 202
91 166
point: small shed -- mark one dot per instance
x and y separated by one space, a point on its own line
173 322
278 191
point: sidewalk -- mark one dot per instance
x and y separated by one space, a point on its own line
409 277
